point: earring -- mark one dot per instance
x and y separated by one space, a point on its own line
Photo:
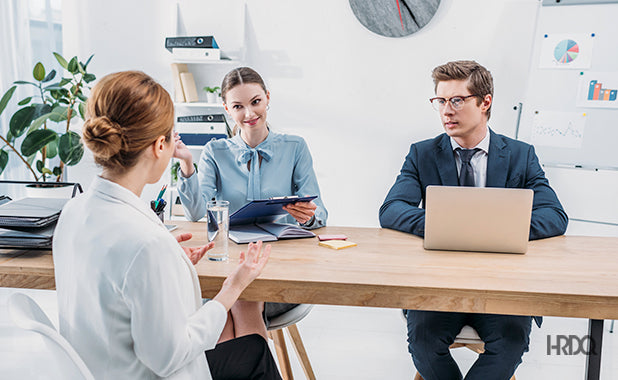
267 106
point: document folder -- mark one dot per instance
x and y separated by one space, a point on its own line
264 210
31 212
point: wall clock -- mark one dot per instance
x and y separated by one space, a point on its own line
394 18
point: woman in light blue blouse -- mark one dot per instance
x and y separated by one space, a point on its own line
256 163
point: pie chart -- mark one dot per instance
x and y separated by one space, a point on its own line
566 51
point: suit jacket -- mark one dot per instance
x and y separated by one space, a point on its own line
510 164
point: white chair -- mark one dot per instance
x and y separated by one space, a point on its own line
26 313
288 321
469 338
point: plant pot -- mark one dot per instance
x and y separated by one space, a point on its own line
211 97
49 190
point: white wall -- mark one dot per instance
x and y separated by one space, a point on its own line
359 99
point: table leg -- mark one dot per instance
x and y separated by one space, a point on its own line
595 345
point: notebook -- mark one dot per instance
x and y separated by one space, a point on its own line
247 233
481 219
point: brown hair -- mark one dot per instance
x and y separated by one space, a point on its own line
127 111
480 81
238 76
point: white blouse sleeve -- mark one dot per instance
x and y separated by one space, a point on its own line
166 337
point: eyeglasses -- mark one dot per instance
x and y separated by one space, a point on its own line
457 102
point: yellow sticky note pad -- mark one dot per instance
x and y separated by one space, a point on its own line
337 244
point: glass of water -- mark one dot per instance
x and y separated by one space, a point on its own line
218 213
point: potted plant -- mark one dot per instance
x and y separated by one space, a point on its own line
212 94
39 130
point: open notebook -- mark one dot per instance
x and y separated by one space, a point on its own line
247 233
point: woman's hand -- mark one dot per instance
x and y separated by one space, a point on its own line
250 266
195 254
301 211
182 153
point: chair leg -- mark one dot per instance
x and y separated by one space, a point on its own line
282 355
299 347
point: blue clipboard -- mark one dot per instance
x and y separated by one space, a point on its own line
265 210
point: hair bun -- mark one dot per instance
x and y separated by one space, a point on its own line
102 136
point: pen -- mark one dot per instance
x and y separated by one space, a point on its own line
160 195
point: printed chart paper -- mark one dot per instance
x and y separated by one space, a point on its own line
558 129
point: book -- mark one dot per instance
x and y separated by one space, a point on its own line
220 128
200 139
190 42
265 210
177 68
337 244
205 54
188 87
247 233
212 118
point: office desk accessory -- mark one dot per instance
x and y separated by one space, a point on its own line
337 244
265 210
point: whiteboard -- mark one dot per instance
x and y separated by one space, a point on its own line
567 113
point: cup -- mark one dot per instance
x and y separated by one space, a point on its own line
218 226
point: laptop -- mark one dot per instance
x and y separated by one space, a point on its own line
484 219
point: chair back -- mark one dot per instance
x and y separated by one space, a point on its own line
26 313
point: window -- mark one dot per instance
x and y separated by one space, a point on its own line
46 32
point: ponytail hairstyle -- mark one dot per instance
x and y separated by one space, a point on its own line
126 113
236 77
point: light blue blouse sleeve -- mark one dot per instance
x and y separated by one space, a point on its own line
196 190
306 183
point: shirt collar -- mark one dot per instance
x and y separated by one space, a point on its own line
483 145
119 193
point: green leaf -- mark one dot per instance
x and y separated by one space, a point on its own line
30 159
59 114
36 124
24 82
36 140
70 148
81 68
87 62
52 149
39 165
72 66
10 137
89 78
82 97
21 120
25 101
50 76
63 101
41 109
82 110
64 81
53 87
57 171
39 71
46 171
4 160
6 97
61 60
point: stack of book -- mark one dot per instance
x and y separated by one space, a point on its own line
185 90
197 130
193 48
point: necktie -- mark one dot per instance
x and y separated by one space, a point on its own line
466 174
253 154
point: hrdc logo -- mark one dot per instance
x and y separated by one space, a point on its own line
571 345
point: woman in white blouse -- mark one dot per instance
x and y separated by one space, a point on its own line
128 295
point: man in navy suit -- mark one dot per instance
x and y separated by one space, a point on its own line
468 154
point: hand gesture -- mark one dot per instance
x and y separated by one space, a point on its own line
183 153
195 254
301 211
249 267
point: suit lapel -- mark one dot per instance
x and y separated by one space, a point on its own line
445 161
497 161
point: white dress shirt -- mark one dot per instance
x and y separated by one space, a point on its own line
129 299
478 161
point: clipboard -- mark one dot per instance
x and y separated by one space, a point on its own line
265 210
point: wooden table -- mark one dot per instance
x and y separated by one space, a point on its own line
566 276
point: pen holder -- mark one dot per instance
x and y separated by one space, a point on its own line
159 208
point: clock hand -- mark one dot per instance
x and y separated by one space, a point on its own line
400 18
